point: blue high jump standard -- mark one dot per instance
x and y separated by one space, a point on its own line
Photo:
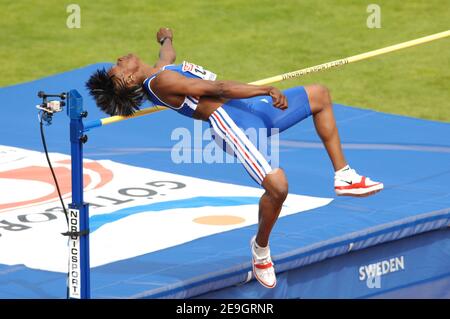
395 244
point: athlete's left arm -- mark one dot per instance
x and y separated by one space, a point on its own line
167 53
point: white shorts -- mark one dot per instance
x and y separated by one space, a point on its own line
254 162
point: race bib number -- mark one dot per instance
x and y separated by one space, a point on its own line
198 71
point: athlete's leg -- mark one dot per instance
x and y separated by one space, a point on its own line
304 101
270 204
315 100
325 123
273 181
276 191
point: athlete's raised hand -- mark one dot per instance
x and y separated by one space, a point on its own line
279 99
164 33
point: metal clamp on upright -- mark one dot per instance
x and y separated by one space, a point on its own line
48 108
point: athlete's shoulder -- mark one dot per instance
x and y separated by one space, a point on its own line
166 78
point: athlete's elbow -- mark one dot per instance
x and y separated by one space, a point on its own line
221 89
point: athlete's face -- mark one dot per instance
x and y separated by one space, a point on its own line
125 68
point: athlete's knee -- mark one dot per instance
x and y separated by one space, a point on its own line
319 97
319 91
276 185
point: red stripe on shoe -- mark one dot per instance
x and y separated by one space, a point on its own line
361 184
263 266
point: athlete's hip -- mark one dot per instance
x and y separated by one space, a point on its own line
259 113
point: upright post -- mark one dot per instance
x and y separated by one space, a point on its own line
79 270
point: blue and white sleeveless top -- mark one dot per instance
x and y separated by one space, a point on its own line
188 70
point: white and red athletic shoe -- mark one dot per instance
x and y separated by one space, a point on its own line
263 267
349 183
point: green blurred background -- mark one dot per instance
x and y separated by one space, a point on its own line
246 40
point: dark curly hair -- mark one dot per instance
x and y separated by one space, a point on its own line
114 97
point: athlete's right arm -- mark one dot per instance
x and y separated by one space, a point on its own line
169 82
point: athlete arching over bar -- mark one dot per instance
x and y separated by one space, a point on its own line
229 106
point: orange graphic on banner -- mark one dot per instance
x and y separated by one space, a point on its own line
63 174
